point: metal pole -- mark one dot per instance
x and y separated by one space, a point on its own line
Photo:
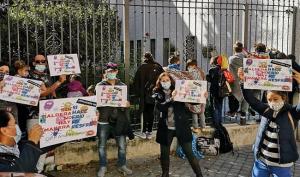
245 26
126 39
293 47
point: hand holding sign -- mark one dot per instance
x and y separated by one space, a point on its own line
35 133
241 74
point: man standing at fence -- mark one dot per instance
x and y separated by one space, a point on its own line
144 82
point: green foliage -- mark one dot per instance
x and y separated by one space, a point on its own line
69 26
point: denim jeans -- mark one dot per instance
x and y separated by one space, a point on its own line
260 169
218 106
103 132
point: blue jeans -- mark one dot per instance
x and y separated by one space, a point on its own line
218 106
260 169
103 132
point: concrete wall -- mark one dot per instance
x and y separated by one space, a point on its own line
84 152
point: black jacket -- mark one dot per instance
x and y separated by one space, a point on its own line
286 138
115 116
29 156
214 76
145 78
181 117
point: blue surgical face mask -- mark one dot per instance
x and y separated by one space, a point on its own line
40 68
18 136
166 85
111 76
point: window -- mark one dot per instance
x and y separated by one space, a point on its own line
138 52
153 47
166 49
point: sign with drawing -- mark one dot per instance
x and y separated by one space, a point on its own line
21 90
190 91
268 74
113 96
63 64
67 119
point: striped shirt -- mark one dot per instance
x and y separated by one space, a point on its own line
269 150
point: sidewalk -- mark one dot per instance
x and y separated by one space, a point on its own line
238 164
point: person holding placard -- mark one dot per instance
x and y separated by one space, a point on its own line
6 105
275 148
199 109
115 121
173 122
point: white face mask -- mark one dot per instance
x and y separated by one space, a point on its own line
190 69
166 85
18 136
276 106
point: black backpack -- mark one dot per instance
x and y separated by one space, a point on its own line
225 143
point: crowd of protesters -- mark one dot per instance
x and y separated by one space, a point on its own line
275 147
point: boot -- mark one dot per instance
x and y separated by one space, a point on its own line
196 167
165 167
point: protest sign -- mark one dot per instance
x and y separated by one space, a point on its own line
67 119
20 90
63 64
268 74
113 96
190 91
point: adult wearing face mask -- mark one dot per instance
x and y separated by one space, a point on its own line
6 105
39 72
275 147
173 122
113 121
17 156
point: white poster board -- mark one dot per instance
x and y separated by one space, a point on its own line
190 91
20 90
113 96
67 119
63 64
268 74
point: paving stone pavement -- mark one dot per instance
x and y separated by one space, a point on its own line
238 164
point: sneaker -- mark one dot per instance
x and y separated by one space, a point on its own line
101 172
149 135
144 135
126 171
231 115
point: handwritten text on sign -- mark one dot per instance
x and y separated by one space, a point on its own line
67 119
114 96
63 64
268 74
191 91
20 90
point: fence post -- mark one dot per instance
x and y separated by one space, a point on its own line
245 33
294 34
126 39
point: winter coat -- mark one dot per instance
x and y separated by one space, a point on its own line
145 80
181 117
286 137
26 162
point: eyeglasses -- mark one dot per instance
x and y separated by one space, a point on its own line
40 61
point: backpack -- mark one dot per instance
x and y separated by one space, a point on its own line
225 143
209 146
198 154
224 87
228 76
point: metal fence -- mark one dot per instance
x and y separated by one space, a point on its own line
122 30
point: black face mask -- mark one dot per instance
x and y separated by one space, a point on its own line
2 76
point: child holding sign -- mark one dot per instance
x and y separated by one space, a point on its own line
113 121
275 146
173 122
